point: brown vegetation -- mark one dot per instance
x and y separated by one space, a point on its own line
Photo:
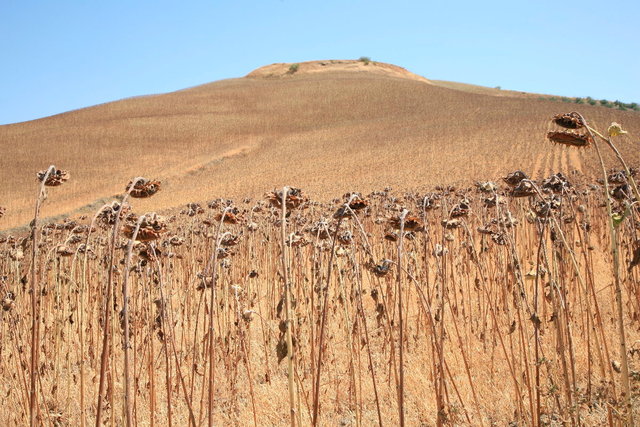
507 316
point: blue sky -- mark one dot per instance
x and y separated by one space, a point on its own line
62 55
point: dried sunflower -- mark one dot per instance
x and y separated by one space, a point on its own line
143 188
230 217
570 138
192 209
524 189
514 178
230 240
294 198
556 183
108 215
151 227
55 178
568 120
345 237
356 201
176 241
296 240
411 223
461 209
621 192
380 270
64 251
492 201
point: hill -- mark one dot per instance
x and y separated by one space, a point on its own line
329 127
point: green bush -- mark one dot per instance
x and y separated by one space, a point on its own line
293 68
365 59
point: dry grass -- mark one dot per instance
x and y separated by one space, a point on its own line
327 132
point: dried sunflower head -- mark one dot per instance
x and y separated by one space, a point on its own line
343 212
230 240
294 198
149 254
176 241
514 178
570 138
346 237
151 227
411 223
568 120
232 216
143 188
356 201
8 301
192 209
460 209
381 269
451 223
621 192
109 214
556 183
64 251
545 208
492 201
321 230
486 187
296 240
524 189
55 178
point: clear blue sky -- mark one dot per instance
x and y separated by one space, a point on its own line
62 55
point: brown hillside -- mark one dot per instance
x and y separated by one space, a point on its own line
326 128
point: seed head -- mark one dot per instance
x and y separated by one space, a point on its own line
568 120
151 227
356 201
487 187
55 178
108 215
294 198
143 188
411 223
232 216
514 178
176 241
64 251
570 138
524 189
